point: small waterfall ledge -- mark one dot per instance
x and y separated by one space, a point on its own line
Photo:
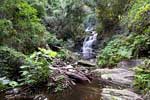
89 41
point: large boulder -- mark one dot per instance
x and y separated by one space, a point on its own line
114 94
123 75
119 76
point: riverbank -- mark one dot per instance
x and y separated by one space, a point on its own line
85 81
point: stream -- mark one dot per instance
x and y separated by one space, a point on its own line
79 92
91 91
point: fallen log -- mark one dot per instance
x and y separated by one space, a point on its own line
78 77
73 74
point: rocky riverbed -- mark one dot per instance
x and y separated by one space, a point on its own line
119 81
84 76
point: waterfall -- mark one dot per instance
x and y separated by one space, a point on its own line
89 41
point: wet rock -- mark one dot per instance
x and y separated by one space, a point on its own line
117 75
114 94
130 63
86 63
13 91
123 75
40 97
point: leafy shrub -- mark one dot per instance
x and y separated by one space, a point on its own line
141 20
21 69
142 77
65 18
7 83
5 29
42 6
147 31
24 29
3 83
136 19
120 48
60 83
108 12
1 86
10 61
53 41
37 69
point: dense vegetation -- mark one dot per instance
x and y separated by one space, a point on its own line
33 33
142 78
20 26
121 48
128 46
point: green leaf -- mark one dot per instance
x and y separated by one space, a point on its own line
52 54
25 72
22 67
13 83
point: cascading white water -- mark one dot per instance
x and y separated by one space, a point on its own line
89 41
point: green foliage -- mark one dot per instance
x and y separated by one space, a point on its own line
50 53
26 12
37 69
141 20
3 83
10 61
142 77
21 28
5 29
62 54
121 48
33 70
137 17
1 86
65 18
60 83
13 84
147 31
53 41
109 11
136 20
42 6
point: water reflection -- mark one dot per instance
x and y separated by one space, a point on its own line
79 92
